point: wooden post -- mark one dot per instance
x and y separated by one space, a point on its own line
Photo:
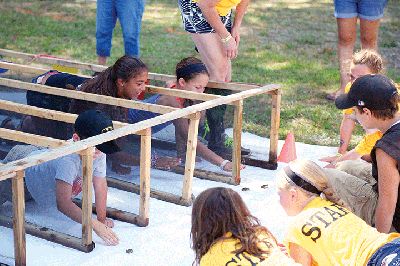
18 199
274 134
145 164
87 176
237 141
190 157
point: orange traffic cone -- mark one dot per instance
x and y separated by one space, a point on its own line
288 152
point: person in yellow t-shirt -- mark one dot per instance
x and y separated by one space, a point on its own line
363 62
224 233
323 232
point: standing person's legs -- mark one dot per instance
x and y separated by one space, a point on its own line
212 54
105 23
369 33
130 14
346 13
347 33
370 13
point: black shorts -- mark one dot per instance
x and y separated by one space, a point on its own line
194 21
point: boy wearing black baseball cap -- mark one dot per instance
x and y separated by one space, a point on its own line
375 101
53 184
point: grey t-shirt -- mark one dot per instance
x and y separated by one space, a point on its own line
41 179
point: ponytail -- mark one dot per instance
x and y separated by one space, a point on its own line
312 174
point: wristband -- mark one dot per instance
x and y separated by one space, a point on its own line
222 165
226 40
339 155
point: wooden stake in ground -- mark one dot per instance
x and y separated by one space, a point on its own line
18 199
87 177
145 165
237 141
190 157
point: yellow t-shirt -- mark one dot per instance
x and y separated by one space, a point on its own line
346 90
224 6
335 236
365 146
220 254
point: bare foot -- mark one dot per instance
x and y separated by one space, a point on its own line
166 163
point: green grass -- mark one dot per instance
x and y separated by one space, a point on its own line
289 42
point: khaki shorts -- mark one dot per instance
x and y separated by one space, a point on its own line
355 192
358 168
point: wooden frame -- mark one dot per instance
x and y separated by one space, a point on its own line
70 118
15 169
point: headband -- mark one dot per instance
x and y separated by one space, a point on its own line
190 69
300 182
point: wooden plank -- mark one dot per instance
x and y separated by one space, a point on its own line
145 164
49 235
45 113
51 60
157 194
91 97
234 86
18 68
87 177
116 214
129 129
30 138
190 157
237 141
182 93
207 175
18 200
274 132
149 88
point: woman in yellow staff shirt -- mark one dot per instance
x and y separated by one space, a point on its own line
323 232
224 233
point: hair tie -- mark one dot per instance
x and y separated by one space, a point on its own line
190 69
300 182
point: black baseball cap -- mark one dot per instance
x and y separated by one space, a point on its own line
373 91
94 122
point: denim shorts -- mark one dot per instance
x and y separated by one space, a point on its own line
388 254
365 9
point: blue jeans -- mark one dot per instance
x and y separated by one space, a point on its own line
129 13
388 254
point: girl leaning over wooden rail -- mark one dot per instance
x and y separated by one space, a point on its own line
125 79
191 75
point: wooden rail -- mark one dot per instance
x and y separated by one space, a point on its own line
131 129
79 95
234 86
149 88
